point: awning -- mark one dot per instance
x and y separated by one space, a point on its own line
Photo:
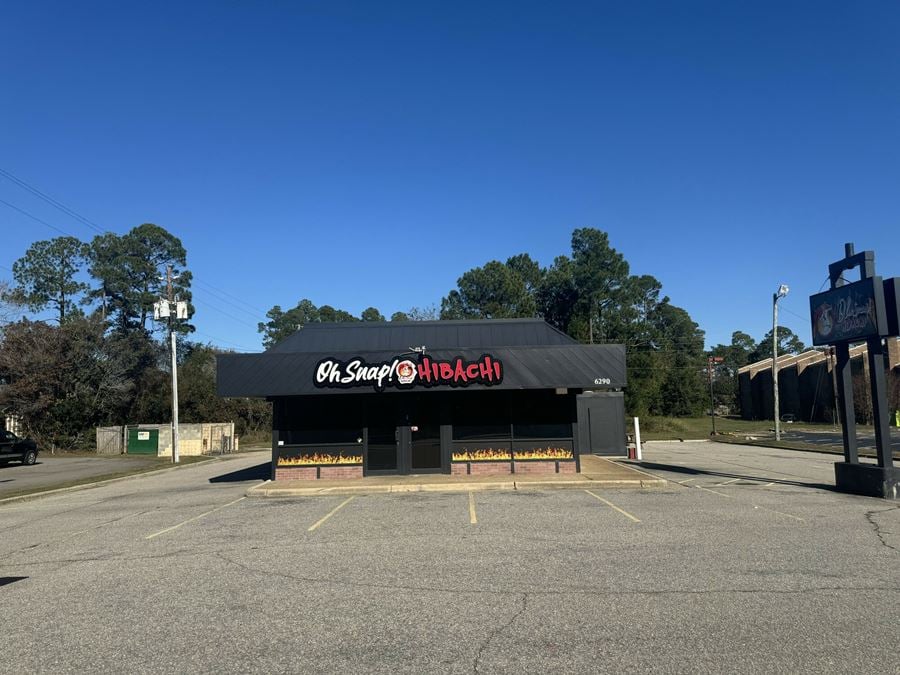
572 366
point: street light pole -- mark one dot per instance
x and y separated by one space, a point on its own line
710 365
782 291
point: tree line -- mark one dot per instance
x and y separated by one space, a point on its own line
589 294
98 361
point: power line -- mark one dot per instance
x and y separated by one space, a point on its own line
50 200
234 344
785 309
257 312
230 316
33 217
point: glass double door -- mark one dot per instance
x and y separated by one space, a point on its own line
404 449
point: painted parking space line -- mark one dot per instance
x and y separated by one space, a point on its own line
755 506
613 506
473 518
190 520
330 513
682 482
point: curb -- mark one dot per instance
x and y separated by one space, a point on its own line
264 490
678 440
99 483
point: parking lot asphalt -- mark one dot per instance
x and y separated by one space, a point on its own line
865 440
748 562
52 471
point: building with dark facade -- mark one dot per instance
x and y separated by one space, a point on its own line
807 386
456 397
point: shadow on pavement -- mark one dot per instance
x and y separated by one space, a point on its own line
722 474
259 472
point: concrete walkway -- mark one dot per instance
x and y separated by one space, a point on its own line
595 472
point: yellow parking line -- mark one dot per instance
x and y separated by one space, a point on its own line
755 506
473 519
190 520
331 513
613 506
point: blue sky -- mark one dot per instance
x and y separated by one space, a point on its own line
369 153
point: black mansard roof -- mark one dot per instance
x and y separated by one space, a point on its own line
535 355
399 336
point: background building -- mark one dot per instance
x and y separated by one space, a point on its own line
807 388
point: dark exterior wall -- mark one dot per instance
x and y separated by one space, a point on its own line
601 423
816 393
330 424
763 403
789 399
809 394
745 389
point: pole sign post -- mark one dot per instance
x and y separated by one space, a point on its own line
867 311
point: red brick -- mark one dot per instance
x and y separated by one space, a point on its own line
458 469
490 468
567 467
535 467
295 473
339 472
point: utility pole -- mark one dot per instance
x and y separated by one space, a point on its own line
782 291
163 310
170 297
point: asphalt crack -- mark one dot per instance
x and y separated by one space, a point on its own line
879 531
497 631
535 592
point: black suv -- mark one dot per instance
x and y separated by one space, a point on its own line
17 449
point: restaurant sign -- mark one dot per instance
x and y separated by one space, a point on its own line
403 373
848 313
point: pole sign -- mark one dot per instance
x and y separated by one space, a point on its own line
849 313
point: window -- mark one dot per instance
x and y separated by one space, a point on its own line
481 415
542 415
337 419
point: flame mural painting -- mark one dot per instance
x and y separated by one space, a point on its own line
503 454
318 459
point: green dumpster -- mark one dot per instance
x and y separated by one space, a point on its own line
143 441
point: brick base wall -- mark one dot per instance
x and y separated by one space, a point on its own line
341 472
535 467
456 469
324 472
503 468
489 468
295 473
